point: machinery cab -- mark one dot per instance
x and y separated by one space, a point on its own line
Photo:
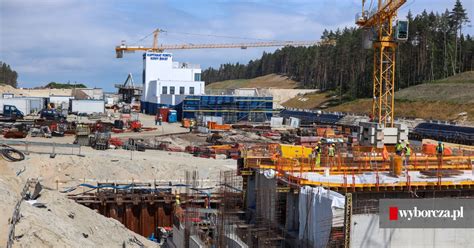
12 111
401 30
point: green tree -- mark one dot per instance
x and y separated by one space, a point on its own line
7 75
346 67
458 18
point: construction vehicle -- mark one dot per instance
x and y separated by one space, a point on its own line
52 115
10 113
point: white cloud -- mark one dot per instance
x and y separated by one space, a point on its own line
61 40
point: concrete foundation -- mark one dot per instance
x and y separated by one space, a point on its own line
366 233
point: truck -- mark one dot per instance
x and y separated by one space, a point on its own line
52 115
10 113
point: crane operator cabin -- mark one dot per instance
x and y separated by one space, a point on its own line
166 83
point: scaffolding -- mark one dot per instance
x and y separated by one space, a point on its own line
128 91
232 109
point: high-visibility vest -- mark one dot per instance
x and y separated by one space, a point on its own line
407 151
317 150
331 151
399 147
440 148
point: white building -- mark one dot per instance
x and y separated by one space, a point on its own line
166 83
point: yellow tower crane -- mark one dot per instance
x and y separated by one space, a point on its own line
381 21
123 48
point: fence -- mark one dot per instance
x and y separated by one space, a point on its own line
52 148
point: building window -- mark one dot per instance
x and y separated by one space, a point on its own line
191 90
164 90
171 90
197 76
181 90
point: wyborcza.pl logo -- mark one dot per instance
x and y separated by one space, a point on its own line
410 214
426 213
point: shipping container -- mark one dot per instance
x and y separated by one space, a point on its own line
164 113
87 106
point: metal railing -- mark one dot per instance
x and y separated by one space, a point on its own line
28 147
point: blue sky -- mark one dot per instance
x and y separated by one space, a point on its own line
74 40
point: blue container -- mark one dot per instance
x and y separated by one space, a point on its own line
172 116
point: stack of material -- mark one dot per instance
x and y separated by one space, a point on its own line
325 132
82 135
214 126
307 140
100 141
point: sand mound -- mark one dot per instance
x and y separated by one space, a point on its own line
34 92
64 223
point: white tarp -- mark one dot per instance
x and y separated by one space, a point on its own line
384 177
276 122
316 214
269 174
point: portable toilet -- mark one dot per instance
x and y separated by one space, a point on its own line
172 116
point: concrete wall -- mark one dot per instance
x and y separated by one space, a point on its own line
178 236
195 242
292 212
250 198
233 241
246 92
366 233
266 196
282 95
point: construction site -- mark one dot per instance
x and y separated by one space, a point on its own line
173 161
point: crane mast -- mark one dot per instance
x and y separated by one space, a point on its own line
384 57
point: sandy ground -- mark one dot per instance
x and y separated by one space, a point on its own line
34 92
118 165
54 227
282 95
63 223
